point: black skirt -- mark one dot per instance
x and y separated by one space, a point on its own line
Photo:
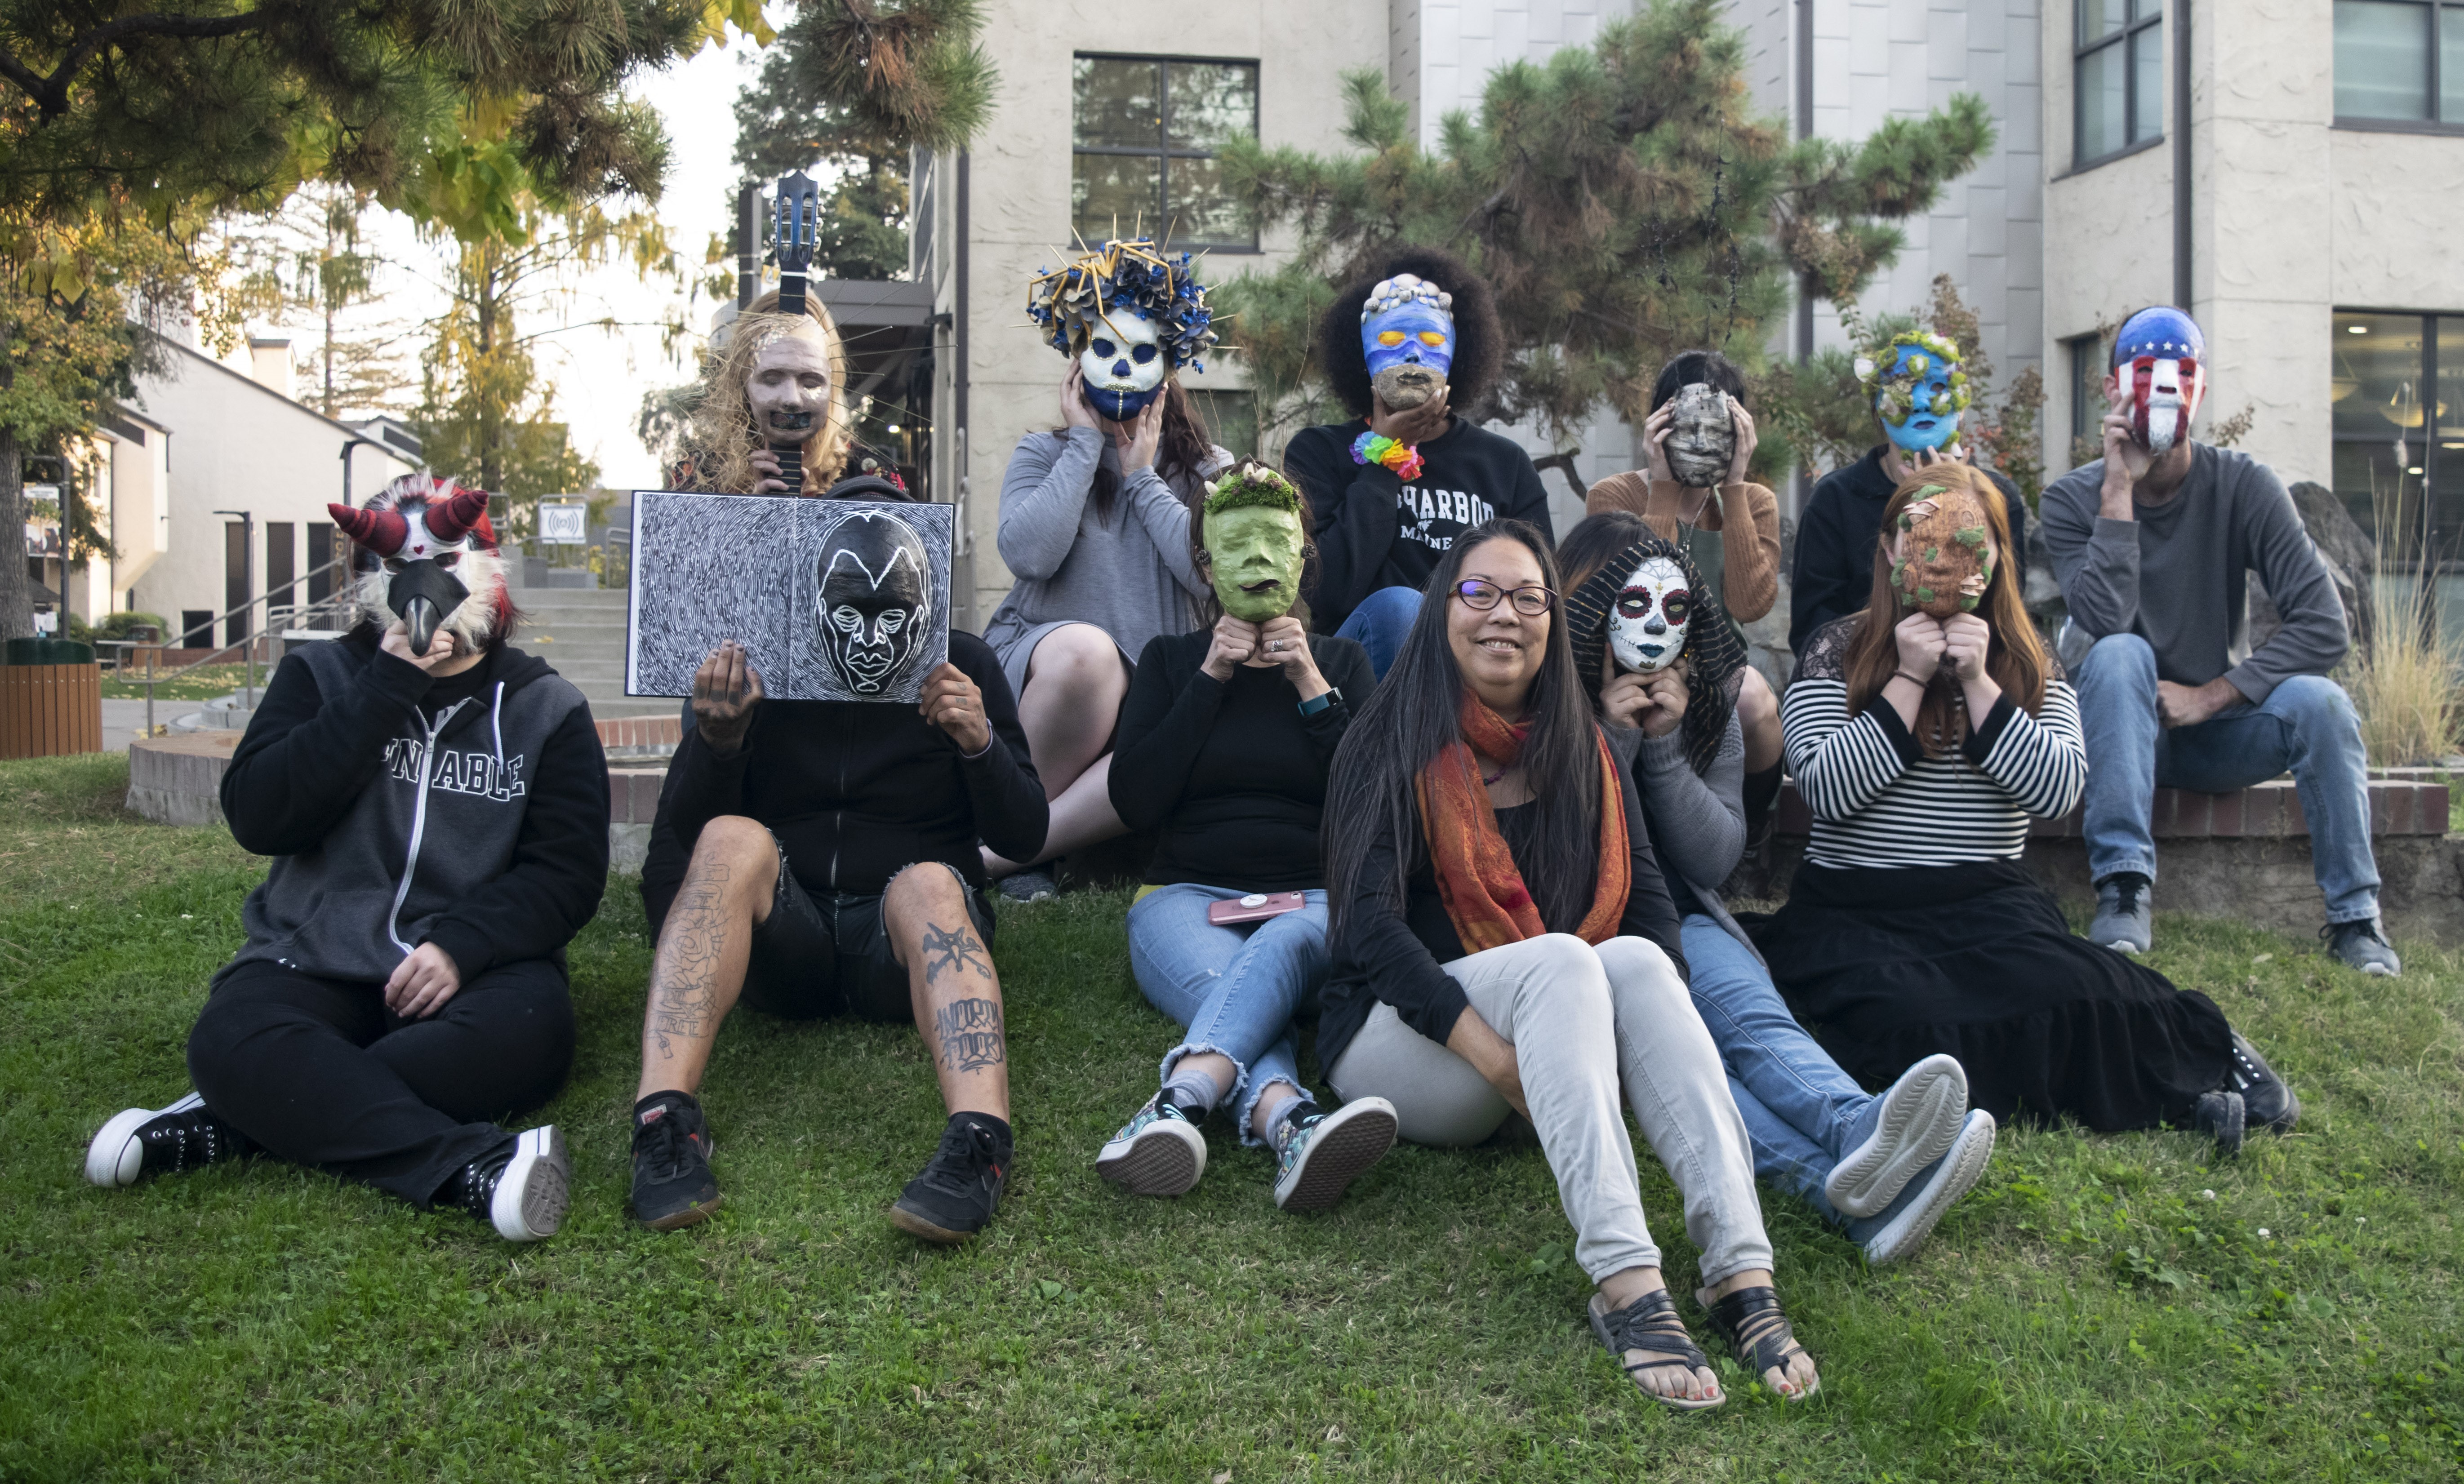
1887 967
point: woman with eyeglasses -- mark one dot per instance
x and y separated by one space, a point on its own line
1503 941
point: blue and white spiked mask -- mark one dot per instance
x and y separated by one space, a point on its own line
1123 365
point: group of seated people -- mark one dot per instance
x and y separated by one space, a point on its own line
1459 794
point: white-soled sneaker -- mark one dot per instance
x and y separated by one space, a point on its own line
522 1192
1913 1216
1909 1126
1157 1152
1320 1155
141 1141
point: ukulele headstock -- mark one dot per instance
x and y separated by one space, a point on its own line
791 234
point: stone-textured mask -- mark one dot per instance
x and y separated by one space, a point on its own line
874 596
1945 557
2159 358
1255 545
1702 436
1407 331
1654 611
1918 390
1123 363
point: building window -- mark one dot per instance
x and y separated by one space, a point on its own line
2088 398
2398 390
2117 79
2400 60
1147 133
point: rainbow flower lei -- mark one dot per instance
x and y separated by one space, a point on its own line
1388 452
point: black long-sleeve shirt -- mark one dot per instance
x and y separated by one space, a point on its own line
1229 772
1398 958
1832 574
1374 530
856 791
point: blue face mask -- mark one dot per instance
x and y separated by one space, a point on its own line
1411 347
1934 399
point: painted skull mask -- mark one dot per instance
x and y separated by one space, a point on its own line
1255 553
1407 331
1942 559
427 558
875 599
1919 391
1124 363
2158 359
1653 613
1702 436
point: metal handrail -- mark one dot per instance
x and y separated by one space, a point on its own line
247 646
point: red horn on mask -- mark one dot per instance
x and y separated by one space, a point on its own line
452 518
380 531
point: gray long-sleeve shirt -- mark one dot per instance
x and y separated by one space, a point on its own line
1131 577
1698 820
2177 576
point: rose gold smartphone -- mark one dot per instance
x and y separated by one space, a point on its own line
1255 908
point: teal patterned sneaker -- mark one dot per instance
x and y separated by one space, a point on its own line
1159 1152
1320 1155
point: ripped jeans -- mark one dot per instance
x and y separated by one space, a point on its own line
1234 989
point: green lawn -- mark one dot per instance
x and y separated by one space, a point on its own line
195 683
2102 1308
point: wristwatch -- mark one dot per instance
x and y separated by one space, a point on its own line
1318 703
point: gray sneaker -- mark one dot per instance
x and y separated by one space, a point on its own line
2359 945
1035 884
2124 922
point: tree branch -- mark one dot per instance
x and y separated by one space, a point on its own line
51 94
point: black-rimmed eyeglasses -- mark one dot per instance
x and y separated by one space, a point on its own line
1529 601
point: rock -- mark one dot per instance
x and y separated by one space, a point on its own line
2352 560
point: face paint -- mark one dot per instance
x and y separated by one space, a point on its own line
2158 359
1917 390
1123 365
1701 437
436 562
1255 553
1648 624
1407 331
1943 554
874 596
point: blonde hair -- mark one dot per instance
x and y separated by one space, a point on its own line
720 438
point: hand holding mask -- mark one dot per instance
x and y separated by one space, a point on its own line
1944 558
1130 316
1407 332
1652 616
1702 441
2158 376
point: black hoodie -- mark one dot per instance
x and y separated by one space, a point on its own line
469 811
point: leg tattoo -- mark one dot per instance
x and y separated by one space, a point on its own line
970 1034
959 950
684 981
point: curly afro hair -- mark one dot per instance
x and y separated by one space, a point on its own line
1480 350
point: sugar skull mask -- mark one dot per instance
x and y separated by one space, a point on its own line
1123 365
1917 390
874 597
2158 360
1407 331
1942 559
1701 437
1653 614
428 558
1131 316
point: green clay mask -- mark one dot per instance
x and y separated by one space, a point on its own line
1255 551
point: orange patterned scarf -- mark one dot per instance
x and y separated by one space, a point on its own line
1477 879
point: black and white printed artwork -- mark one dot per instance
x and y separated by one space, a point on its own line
835 599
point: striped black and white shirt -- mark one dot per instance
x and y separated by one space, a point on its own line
1879 801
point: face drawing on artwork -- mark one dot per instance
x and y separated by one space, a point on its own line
874 600
2159 369
1255 551
1941 555
789 386
1123 366
1654 611
1702 436
1407 330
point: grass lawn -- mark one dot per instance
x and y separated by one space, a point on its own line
195 683
2120 1308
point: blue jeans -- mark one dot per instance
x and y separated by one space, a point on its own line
1235 990
2306 724
1382 623
1797 1104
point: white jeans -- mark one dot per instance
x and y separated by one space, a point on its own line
1580 1019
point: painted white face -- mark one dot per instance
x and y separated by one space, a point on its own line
1647 627
789 386
1123 363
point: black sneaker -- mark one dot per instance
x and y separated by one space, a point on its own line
2264 1096
2222 1117
957 1194
2359 945
172 1141
672 1185
521 1187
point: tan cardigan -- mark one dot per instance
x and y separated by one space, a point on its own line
1750 575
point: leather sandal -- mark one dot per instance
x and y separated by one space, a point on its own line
1651 1324
1752 1324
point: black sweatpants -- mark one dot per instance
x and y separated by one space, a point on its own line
320 1072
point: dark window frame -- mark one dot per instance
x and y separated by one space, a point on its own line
1163 149
2082 48
2437 122
2436 532
2087 354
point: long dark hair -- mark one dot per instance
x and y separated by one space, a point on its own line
1416 711
1181 454
1689 366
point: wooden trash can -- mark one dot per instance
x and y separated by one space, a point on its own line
48 708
